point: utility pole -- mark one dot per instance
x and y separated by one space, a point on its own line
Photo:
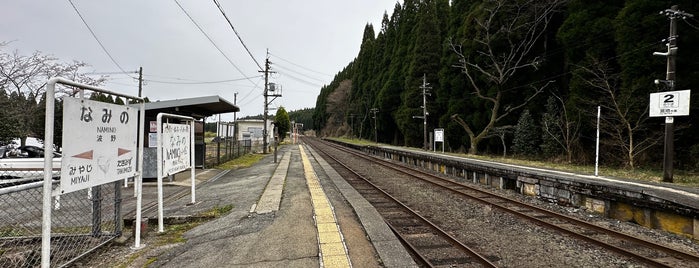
425 91
668 157
376 132
140 81
266 94
352 125
235 102
264 122
235 124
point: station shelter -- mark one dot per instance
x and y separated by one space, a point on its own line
199 108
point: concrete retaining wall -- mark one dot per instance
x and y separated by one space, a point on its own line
658 206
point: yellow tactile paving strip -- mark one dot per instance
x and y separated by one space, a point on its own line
333 252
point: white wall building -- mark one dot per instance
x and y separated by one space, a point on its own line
251 130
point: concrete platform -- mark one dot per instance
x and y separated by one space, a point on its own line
286 214
654 205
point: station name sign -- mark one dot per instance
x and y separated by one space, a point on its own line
99 144
176 148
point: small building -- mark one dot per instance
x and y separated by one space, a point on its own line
250 133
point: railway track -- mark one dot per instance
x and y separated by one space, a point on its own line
150 206
431 245
629 246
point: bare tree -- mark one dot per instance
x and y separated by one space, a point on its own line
507 35
501 133
337 107
27 75
561 128
24 78
624 122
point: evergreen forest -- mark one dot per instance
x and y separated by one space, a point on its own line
521 77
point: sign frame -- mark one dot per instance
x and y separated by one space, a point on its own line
669 103
47 190
438 137
159 173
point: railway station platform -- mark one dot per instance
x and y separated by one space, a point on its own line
654 205
297 212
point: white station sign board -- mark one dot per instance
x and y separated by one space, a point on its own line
99 144
669 103
176 152
439 135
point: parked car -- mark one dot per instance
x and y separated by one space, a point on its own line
26 162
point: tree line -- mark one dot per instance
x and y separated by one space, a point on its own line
519 77
23 93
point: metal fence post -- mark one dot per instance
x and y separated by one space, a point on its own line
96 211
117 209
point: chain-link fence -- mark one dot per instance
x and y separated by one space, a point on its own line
220 151
80 221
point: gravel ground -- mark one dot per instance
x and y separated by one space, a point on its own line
506 239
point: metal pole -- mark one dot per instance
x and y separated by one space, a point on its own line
275 142
140 81
218 142
191 159
235 126
118 229
138 184
159 170
424 113
599 109
424 87
229 142
234 140
48 169
669 149
673 13
376 131
96 210
266 115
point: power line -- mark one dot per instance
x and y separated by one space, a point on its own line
250 92
212 41
301 74
255 99
121 84
236 34
97 39
302 67
108 73
302 81
198 82
691 25
570 72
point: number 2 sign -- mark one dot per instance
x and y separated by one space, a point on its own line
669 103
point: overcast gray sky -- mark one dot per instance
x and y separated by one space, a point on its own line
309 42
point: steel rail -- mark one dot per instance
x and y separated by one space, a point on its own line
455 242
152 205
670 251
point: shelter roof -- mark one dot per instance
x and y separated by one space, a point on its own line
198 107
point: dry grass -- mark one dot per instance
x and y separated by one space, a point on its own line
681 178
242 161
